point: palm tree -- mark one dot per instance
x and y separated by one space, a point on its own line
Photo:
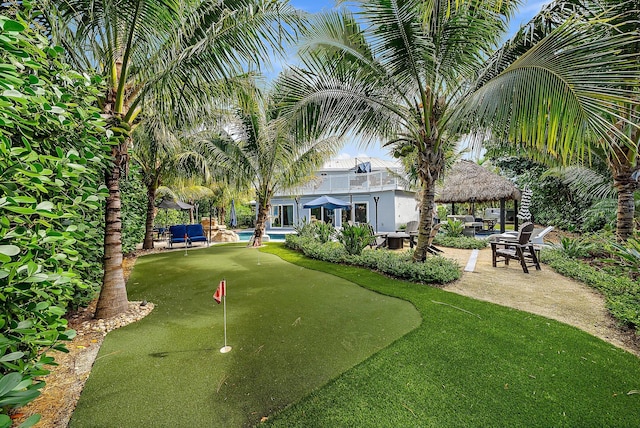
396 77
163 55
262 149
604 112
405 76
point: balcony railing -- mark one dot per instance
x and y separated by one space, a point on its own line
348 183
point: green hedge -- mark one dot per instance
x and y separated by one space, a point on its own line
463 242
622 294
52 155
434 270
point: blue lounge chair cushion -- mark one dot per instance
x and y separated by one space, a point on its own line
177 233
196 233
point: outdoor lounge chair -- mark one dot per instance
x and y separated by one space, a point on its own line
376 241
520 249
195 233
177 235
434 231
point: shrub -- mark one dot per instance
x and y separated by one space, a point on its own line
434 270
354 238
453 227
52 154
324 231
626 255
622 294
575 247
463 242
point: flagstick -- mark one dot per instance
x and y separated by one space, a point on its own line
225 348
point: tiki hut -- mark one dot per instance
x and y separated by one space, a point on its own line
470 182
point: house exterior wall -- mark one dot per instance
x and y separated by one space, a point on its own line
406 208
395 206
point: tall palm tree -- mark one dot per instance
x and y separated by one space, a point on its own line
405 75
261 149
606 103
162 54
394 71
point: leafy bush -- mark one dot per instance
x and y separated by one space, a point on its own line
622 294
354 238
134 210
453 227
51 157
464 242
324 231
434 270
305 228
575 247
626 255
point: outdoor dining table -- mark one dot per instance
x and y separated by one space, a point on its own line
395 241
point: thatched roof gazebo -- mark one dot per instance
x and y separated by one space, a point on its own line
470 182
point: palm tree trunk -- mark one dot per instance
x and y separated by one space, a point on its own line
625 185
113 295
426 219
261 222
148 232
621 163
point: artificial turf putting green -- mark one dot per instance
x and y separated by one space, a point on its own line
291 329
473 364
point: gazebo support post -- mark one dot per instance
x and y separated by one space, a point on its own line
502 215
515 214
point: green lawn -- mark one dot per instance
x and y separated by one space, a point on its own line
474 364
304 338
292 330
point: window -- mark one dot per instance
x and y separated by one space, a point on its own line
282 216
360 215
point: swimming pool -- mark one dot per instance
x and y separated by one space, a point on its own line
245 235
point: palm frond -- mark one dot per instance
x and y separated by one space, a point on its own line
569 89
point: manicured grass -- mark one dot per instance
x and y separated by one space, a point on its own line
473 364
292 330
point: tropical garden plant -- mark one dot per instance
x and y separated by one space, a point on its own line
401 72
452 227
355 238
259 148
50 204
163 56
594 47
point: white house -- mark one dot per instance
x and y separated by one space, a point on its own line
372 186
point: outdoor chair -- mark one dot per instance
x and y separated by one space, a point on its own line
177 235
412 227
520 249
376 241
434 231
471 226
195 233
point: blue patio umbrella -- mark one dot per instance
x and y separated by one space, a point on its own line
233 218
327 202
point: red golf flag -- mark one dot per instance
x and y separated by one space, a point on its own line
221 291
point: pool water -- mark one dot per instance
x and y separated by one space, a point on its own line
246 235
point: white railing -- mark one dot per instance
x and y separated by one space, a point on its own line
348 183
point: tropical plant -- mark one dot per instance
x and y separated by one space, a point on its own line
453 227
260 148
627 256
164 56
355 238
591 85
400 71
574 247
50 203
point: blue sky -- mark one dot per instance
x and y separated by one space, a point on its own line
527 10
